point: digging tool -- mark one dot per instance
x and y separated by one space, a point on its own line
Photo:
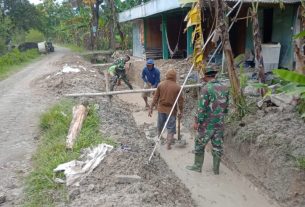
180 142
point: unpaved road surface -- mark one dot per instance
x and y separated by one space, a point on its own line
21 104
228 189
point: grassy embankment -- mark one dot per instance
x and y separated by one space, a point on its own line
15 60
51 151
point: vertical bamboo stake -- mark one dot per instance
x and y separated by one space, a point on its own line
257 40
222 28
299 55
107 84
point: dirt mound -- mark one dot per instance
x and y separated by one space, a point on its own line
75 75
158 185
266 149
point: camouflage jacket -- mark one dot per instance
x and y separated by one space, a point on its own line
213 104
120 63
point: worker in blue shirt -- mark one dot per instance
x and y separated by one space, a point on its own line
151 78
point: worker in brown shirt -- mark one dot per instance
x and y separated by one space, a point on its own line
164 98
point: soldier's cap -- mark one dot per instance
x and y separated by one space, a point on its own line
150 62
210 72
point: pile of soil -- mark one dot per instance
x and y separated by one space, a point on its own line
156 185
265 147
59 83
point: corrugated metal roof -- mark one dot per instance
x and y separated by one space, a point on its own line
268 1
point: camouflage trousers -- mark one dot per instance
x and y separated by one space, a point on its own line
121 74
214 135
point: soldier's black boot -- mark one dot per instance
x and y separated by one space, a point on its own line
197 166
216 164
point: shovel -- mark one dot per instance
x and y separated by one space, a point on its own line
180 141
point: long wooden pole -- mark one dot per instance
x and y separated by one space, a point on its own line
107 85
102 64
124 92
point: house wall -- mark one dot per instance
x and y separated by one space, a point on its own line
238 34
153 33
138 38
283 24
282 31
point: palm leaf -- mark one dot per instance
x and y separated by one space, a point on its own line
300 35
290 76
259 85
298 90
287 88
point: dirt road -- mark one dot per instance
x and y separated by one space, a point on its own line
21 103
228 189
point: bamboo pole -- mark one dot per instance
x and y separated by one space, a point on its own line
107 82
102 64
107 85
124 92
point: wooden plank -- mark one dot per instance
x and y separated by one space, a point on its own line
79 115
101 52
124 92
102 64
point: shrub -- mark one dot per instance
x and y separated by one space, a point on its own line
14 58
34 36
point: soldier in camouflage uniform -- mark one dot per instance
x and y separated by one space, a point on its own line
209 121
120 70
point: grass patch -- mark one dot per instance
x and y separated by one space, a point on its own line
301 162
51 151
74 48
13 61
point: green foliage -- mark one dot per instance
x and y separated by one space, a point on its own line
243 79
14 58
301 162
296 85
19 36
301 106
290 76
52 151
300 35
3 47
34 36
74 48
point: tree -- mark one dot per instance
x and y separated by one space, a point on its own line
222 32
95 7
257 41
299 41
17 10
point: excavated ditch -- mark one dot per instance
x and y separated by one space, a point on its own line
156 184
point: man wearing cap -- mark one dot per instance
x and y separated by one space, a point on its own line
209 120
151 78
